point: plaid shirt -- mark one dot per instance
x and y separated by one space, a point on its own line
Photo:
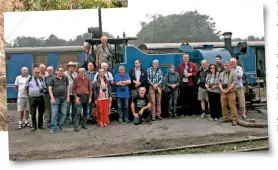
154 77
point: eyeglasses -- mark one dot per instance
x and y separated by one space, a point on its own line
212 68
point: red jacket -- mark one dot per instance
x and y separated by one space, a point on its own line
192 68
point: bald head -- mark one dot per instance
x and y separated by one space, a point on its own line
104 66
103 39
233 62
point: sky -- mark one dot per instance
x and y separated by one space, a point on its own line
242 18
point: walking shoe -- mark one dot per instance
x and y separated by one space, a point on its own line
159 117
224 121
120 121
34 129
181 116
76 129
104 124
153 118
84 127
203 115
51 132
234 123
170 117
193 116
215 119
244 117
211 119
126 120
42 128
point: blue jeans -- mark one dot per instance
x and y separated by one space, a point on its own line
83 105
146 115
73 109
122 108
60 105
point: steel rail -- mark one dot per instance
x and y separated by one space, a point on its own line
185 147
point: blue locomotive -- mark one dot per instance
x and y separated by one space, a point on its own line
252 56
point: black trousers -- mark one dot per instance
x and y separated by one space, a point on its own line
37 103
215 104
84 103
188 100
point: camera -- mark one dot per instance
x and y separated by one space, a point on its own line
104 90
210 86
122 89
44 91
225 86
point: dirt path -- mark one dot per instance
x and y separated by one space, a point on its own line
123 138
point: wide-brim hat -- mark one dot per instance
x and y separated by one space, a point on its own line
71 64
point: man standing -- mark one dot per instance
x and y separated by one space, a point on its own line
47 114
90 74
155 78
107 74
188 72
59 94
202 90
219 64
82 91
122 80
43 73
227 85
34 88
22 99
89 56
71 75
239 87
104 52
138 78
141 107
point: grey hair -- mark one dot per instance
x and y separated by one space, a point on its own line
24 68
81 70
50 67
87 45
143 88
204 61
104 63
42 65
233 59
122 67
156 61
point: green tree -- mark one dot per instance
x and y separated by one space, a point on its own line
190 26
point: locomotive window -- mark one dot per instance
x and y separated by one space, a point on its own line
39 58
66 57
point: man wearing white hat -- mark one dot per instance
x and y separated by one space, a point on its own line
89 56
71 75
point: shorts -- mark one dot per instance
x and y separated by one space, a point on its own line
241 97
22 104
202 94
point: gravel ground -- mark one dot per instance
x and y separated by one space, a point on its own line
121 138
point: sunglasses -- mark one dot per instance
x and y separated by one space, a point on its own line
212 68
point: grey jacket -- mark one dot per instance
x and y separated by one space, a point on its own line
172 78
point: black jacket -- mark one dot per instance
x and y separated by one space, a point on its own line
91 58
96 87
143 78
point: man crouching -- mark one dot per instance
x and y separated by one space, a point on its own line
141 107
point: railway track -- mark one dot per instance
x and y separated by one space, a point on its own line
169 150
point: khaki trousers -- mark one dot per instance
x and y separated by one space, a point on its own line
155 96
229 98
241 98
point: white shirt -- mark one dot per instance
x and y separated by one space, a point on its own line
137 74
185 72
108 75
21 83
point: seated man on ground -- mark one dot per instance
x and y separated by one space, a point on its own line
141 107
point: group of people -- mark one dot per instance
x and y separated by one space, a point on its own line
76 94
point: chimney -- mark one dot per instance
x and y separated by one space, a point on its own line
228 41
100 21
